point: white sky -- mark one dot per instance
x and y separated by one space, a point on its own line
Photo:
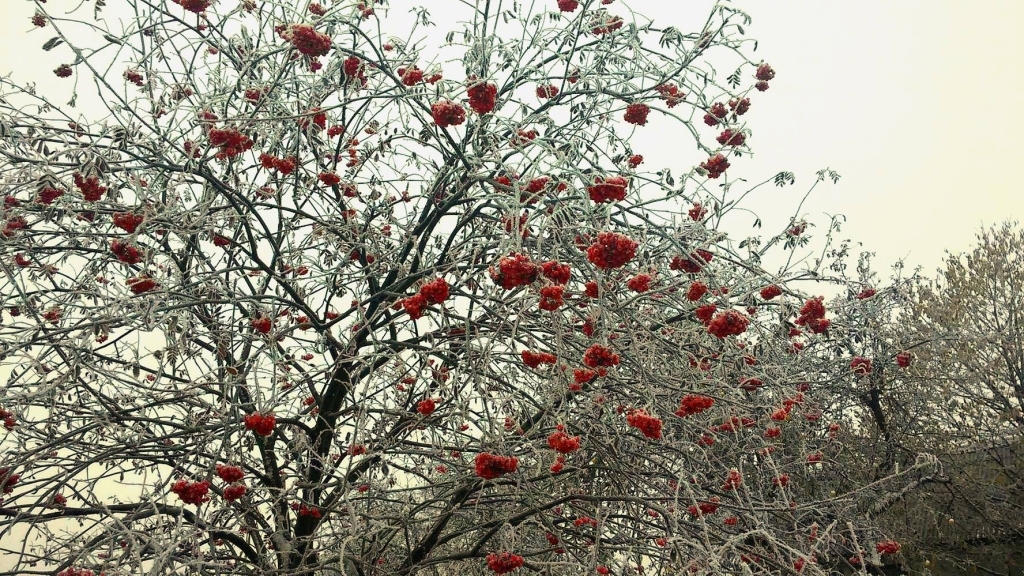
913 102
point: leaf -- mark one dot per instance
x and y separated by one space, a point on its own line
112 39
52 43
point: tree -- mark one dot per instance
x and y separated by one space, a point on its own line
970 376
314 298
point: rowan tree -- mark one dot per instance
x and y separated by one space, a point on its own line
316 294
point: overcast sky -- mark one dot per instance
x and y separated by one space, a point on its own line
913 102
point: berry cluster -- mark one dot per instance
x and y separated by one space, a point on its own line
514 270
230 141
637 114
730 137
491 466
648 425
812 315
127 221
307 40
860 366
141 284
671 94
196 6
89 187
693 404
715 166
482 97
598 356
611 250
888 547
551 297
410 76
261 424
728 323
192 492
608 189
504 563
125 252
447 113
547 91
696 292
535 359
229 474
769 292
563 443
557 273
354 69
640 283
568 5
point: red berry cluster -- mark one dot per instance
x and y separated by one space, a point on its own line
435 291
637 114
354 69
730 137
426 407
812 315
751 384
763 74
491 466
514 270
262 324
192 492
535 359
563 443
196 6
903 359
48 195
482 97
671 94
866 293
705 508
697 212
739 107
134 76
606 25
261 424
307 40
728 323
598 356
860 366
89 187
716 113
693 404
141 284
283 165
705 313
410 76
608 189
504 563
230 474
648 425
10 422
329 178
769 292
447 113
551 297
888 547
557 273
733 481
127 221
635 160
8 480
547 91
696 292
568 5
230 141
125 252
234 492
640 283
611 250
317 9
715 166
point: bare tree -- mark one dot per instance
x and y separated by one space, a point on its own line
314 295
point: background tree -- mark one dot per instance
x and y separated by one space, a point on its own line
319 295
970 374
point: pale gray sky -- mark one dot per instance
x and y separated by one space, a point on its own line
913 102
